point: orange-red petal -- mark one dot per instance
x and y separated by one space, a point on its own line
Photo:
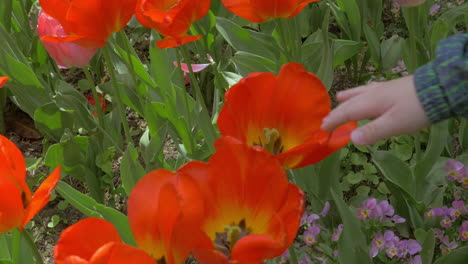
83 239
294 104
210 256
317 147
118 253
253 189
42 196
171 18
92 20
3 81
174 42
254 248
13 166
244 9
261 10
11 207
246 103
161 228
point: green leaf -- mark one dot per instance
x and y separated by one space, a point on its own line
352 245
51 121
457 256
428 246
54 221
344 50
130 169
247 40
247 63
91 208
395 170
353 14
391 50
354 177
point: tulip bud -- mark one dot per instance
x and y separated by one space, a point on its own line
65 54
409 3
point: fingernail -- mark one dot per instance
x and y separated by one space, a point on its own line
357 137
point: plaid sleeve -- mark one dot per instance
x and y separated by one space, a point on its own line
442 84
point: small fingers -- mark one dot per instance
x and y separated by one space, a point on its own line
357 108
347 94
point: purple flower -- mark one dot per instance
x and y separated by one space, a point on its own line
377 244
386 208
464 177
413 247
453 169
398 219
463 231
447 246
416 260
390 237
365 209
434 10
402 247
436 212
310 235
439 233
446 222
458 209
392 250
284 257
337 233
325 209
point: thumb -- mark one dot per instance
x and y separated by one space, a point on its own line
372 132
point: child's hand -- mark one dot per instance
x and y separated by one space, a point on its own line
394 105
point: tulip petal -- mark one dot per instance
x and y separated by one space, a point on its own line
206 256
13 167
243 113
83 239
317 147
301 6
298 104
147 221
291 213
174 42
118 253
74 260
42 196
244 9
195 67
11 207
3 81
274 8
255 248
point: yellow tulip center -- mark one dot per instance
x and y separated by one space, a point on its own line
226 240
272 142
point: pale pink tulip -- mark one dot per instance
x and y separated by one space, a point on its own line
65 54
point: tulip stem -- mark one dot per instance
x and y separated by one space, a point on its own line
32 245
293 255
16 243
187 108
208 130
117 97
97 101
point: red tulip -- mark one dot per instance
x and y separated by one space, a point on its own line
252 212
167 228
96 241
88 23
3 81
261 10
66 54
172 19
283 114
17 205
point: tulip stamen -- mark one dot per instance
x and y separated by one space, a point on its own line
273 142
225 241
